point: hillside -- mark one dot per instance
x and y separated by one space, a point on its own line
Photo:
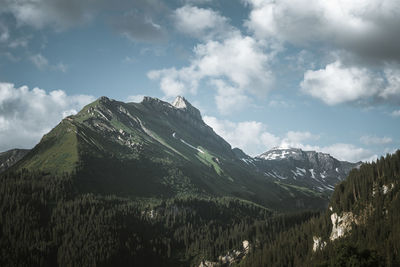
360 228
157 149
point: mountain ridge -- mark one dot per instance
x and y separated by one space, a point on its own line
154 148
10 157
316 170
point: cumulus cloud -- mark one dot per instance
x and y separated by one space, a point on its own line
237 67
368 28
201 23
251 136
254 138
374 140
337 83
348 152
297 139
26 114
392 89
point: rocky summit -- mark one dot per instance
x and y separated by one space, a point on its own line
315 170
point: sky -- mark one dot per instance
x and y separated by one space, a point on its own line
318 75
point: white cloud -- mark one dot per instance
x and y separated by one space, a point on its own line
392 90
25 115
396 113
251 136
336 84
42 63
368 28
20 42
348 152
229 99
135 98
201 23
296 139
374 140
237 65
254 138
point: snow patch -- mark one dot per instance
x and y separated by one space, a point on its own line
189 145
279 176
312 173
247 161
301 170
179 102
275 155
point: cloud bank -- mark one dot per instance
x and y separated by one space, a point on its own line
254 138
26 114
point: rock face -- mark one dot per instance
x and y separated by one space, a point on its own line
341 224
10 157
230 258
315 170
318 243
188 116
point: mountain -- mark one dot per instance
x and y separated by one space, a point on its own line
360 228
10 157
150 184
157 149
314 170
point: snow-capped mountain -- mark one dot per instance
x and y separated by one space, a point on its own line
311 169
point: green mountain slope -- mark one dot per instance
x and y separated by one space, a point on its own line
156 149
361 227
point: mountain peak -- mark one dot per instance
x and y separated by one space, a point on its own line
180 102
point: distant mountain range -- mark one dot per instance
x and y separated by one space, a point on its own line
158 149
315 170
10 157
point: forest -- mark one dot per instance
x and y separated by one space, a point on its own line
46 220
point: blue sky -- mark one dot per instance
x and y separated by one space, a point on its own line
319 75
